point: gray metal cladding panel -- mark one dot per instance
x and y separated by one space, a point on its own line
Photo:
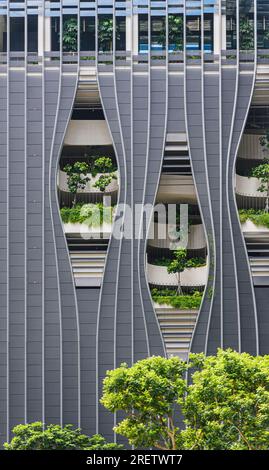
248 321
34 254
88 300
127 327
262 296
70 354
31 142
233 304
16 275
195 122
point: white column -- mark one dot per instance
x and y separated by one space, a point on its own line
132 34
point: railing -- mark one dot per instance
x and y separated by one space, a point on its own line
121 58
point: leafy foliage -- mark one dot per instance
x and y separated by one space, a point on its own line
246 34
175 28
77 177
182 302
91 214
148 393
175 33
257 217
177 265
103 182
70 35
226 406
102 165
105 34
191 262
32 436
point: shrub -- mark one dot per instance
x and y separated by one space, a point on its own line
102 165
259 217
191 263
91 214
36 436
103 181
182 302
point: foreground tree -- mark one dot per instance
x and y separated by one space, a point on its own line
148 392
226 406
54 437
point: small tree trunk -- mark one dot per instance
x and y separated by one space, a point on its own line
74 200
179 288
267 199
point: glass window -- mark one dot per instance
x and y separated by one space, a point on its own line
70 33
3 33
32 33
55 33
263 31
17 34
193 33
175 27
158 33
87 34
121 33
143 33
105 33
208 33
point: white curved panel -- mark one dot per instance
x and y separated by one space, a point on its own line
196 237
158 275
250 148
248 186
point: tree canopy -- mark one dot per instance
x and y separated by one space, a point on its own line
36 436
224 405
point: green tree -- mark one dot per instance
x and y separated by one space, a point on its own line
77 177
105 34
175 26
177 266
70 34
246 34
262 173
148 393
225 405
32 436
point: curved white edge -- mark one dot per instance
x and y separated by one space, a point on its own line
198 200
234 166
227 171
163 149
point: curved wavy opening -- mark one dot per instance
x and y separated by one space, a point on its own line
251 191
87 182
177 262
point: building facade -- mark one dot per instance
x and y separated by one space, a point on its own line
165 102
